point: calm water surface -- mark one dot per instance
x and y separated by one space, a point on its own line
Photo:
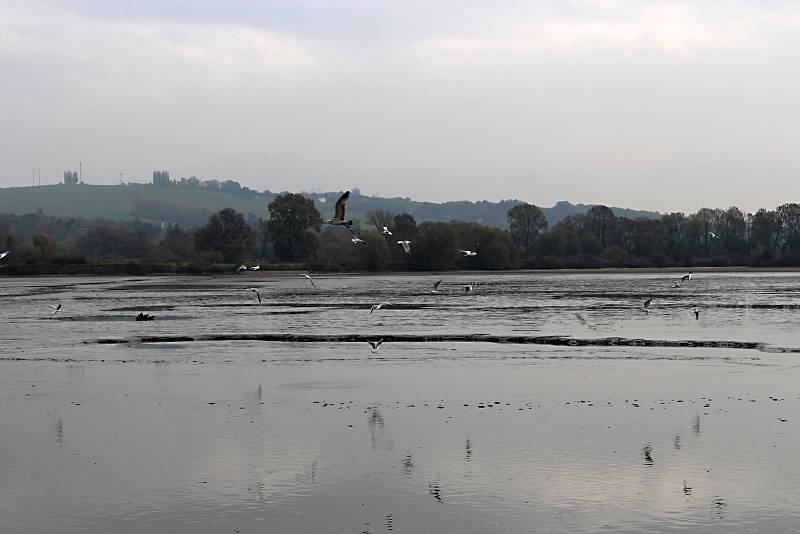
248 436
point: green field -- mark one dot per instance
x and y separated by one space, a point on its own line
116 201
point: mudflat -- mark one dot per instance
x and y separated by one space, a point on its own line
226 415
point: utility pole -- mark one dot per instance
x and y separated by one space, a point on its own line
80 171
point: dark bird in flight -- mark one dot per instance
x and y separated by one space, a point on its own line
338 215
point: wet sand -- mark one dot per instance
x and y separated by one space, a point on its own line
267 436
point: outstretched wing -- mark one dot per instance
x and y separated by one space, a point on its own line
259 297
436 285
341 205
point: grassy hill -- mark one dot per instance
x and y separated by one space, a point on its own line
116 201
191 207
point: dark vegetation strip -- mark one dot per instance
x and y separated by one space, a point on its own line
162 241
452 338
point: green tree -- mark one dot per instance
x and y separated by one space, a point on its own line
380 218
601 223
292 219
226 233
177 245
765 231
789 219
435 246
477 237
405 227
526 222
70 177
706 217
46 246
374 256
335 252
161 179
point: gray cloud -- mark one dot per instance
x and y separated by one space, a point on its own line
662 105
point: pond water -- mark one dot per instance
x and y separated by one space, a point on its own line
190 423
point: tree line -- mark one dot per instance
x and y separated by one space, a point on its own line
293 234
162 179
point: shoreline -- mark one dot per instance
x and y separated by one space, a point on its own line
35 271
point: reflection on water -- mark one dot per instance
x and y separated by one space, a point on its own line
647 453
435 491
287 437
59 428
408 463
377 434
719 508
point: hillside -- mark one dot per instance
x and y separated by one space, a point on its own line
191 207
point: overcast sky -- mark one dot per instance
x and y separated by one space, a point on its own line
649 104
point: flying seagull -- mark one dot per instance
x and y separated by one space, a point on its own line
309 279
355 239
4 254
386 231
55 308
468 252
406 246
241 268
435 290
713 235
338 216
686 277
377 307
254 290
468 288
255 267
696 313
375 344
646 305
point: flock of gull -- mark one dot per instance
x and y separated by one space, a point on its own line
339 220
